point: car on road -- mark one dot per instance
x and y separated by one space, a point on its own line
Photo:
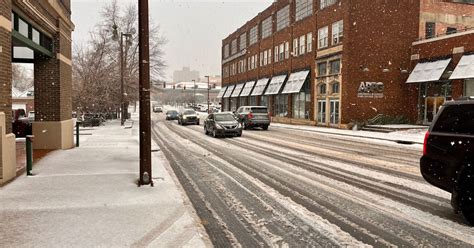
253 116
188 116
222 124
448 154
157 109
172 115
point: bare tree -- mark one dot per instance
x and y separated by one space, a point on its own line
22 76
96 68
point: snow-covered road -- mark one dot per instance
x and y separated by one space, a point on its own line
289 188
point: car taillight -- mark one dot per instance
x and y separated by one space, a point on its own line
250 116
425 143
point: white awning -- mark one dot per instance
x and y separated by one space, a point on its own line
465 68
238 88
221 93
275 85
260 87
295 82
230 88
428 71
247 88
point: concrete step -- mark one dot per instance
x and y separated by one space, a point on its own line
377 129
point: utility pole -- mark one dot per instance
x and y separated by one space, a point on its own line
208 101
144 78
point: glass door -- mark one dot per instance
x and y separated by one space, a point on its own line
334 111
432 106
321 111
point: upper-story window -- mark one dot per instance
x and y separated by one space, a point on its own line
233 47
302 44
281 52
430 30
243 41
304 8
326 3
334 66
337 32
322 69
283 18
253 35
287 50
226 51
309 42
267 27
335 87
323 37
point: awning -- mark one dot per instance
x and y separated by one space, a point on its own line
465 68
238 88
295 82
247 88
230 88
275 85
260 87
428 71
221 93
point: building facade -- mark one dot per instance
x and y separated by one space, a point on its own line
185 75
37 32
334 62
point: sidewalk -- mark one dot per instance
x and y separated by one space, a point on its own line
88 197
410 136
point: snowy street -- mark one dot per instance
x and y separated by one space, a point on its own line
286 187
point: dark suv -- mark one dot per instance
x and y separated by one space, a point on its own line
253 116
448 154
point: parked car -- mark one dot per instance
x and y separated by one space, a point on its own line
448 155
253 116
157 109
91 120
222 124
21 126
172 115
188 116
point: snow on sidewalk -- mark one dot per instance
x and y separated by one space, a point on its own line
415 136
88 197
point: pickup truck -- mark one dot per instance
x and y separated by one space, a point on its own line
448 154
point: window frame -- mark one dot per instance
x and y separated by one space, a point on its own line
323 37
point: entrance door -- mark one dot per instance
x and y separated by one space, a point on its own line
432 106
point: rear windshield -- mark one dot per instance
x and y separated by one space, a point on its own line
226 117
189 112
456 119
259 110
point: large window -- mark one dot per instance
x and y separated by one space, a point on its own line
309 42
253 101
226 51
283 18
302 102
267 27
322 111
323 37
243 41
337 32
264 101
253 35
326 3
302 45
334 111
469 87
322 69
280 105
304 8
233 47
335 66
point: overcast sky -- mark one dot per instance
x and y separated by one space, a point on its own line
194 29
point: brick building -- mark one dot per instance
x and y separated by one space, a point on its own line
334 62
37 32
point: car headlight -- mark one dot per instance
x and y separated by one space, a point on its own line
184 117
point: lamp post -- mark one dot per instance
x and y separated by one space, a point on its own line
208 101
194 93
122 92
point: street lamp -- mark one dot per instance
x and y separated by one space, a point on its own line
128 37
208 102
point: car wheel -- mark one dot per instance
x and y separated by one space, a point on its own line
197 123
466 193
179 122
265 127
239 134
205 131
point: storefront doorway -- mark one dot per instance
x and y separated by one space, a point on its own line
432 106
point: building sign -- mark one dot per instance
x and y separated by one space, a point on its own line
371 90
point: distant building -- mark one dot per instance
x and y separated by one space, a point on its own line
185 75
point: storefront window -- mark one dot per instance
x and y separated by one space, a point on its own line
233 104
469 87
264 101
322 111
243 101
253 101
302 102
334 111
280 106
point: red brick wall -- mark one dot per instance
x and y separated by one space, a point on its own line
378 35
5 66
